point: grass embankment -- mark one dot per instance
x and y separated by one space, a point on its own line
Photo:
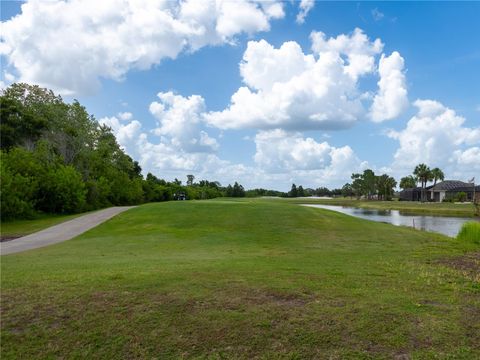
17 228
242 279
411 207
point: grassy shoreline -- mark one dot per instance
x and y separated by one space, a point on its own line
410 207
242 279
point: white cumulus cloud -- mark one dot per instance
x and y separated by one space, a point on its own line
283 154
180 122
391 99
436 136
288 89
126 134
125 116
304 8
357 48
69 45
279 151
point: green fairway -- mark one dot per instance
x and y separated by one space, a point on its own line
411 207
243 279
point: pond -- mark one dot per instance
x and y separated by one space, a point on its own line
446 225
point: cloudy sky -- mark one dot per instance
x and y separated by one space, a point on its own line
265 93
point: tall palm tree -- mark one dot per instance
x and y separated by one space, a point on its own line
424 175
437 174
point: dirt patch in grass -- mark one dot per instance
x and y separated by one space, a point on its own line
8 238
470 319
468 265
269 297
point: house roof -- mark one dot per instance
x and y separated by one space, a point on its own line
450 185
418 188
469 187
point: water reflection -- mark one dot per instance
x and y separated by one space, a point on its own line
449 226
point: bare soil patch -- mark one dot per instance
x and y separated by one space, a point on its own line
8 238
468 264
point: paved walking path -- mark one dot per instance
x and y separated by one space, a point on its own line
61 232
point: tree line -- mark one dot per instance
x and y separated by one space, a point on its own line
56 158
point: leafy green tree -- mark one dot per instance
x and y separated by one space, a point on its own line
17 191
98 191
364 184
385 186
18 127
408 182
357 185
300 191
347 190
238 190
369 180
62 191
293 191
437 174
323 191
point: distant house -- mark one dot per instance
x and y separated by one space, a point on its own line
450 188
411 194
447 189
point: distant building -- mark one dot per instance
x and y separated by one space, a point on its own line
449 189
444 190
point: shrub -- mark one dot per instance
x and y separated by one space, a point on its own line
461 196
16 193
62 191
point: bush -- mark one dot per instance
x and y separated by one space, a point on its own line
470 231
62 191
97 193
17 194
461 196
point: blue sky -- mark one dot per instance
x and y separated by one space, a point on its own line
116 67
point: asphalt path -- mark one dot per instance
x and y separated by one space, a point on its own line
61 232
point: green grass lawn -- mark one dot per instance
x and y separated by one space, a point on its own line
413 207
18 228
243 279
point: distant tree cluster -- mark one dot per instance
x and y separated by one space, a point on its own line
370 186
323 191
264 192
156 189
236 190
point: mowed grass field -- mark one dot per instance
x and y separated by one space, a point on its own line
243 279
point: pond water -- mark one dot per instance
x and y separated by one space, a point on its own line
446 225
